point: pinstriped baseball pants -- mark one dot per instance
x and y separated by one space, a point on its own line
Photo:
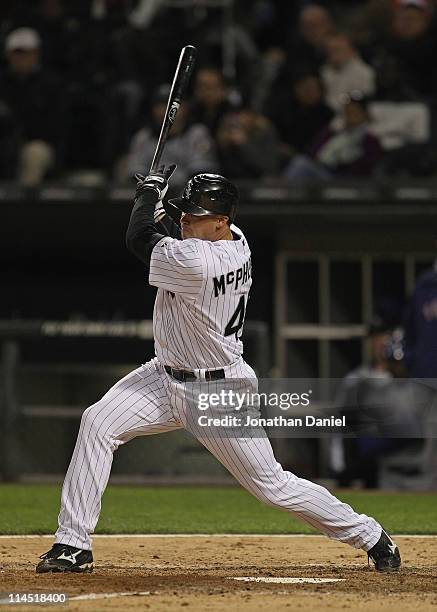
149 401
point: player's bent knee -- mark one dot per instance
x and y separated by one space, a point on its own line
269 498
275 491
94 420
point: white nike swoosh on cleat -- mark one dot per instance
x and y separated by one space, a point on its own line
71 558
392 547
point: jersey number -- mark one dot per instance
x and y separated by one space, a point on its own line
237 319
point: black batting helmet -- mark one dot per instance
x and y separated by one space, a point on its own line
208 194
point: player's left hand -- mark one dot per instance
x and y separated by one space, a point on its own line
158 181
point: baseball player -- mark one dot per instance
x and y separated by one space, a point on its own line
202 270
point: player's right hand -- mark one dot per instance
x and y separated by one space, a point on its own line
158 181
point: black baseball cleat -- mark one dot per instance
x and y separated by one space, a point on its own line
385 554
63 558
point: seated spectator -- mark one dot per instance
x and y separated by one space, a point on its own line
369 24
412 41
248 146
210 98
190 146
315 26
402 123
344 71
377 403
305 51
62 36
32 96
346 150
300 115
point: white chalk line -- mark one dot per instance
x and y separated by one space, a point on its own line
265 579
208 535
108 595
285 580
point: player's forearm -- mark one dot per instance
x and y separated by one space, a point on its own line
142 233
169 227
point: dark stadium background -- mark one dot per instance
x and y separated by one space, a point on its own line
328 256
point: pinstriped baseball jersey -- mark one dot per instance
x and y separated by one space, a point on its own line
199 311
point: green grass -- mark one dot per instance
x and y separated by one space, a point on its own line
27 509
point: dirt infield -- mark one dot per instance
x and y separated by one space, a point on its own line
195 574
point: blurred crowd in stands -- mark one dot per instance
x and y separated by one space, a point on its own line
298 90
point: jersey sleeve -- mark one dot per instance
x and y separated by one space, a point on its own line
176 265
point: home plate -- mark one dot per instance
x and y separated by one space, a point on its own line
285 580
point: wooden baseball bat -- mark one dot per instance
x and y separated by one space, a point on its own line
180 81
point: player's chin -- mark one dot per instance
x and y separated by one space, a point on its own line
185 232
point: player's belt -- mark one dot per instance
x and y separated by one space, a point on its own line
185 375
